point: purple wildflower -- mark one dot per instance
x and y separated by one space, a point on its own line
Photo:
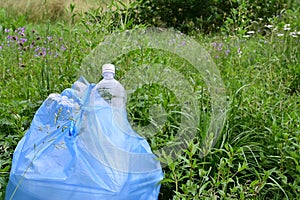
214 44
22 29
20 43
23 40
63 47
239 51
227 52
44 51
6 30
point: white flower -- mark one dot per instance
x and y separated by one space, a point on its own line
250 32
269 26
246 36
280 34
287 27
293 34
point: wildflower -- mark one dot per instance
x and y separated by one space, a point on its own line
269 26
298 32
33 43
293 34
6 30
239 51
14 37
38 38
63 48
0 47
250 32
214 44
33 31
44 51
227 52
183 43
22 65
22 29
49 38
280 34
246 36
287 27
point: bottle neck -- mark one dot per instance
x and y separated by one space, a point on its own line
108 75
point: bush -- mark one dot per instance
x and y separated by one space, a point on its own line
202 15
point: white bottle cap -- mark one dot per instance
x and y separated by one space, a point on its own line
108 68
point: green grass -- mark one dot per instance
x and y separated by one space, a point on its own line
257 155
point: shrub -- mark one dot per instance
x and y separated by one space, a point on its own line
202 15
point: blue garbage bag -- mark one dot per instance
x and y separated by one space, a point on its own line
79 147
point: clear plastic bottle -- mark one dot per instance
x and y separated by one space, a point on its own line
110 89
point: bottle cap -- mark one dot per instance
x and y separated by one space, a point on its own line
108 68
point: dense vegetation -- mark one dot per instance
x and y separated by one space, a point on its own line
255 45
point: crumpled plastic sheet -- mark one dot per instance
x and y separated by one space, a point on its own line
79 147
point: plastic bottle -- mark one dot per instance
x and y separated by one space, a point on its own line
110 89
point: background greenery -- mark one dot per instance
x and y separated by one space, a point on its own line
255 45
